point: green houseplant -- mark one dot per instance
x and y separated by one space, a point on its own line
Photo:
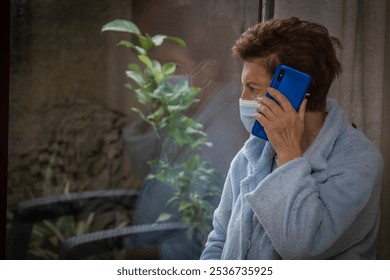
163 105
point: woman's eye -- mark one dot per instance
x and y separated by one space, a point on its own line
254 92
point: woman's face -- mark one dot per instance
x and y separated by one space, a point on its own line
255 79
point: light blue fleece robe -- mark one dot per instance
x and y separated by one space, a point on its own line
323 205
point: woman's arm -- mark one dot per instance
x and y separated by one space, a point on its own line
307 217
216 239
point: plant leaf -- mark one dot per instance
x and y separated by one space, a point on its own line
121 25
157 115
88 223
184 205
169 68
129 86
141 114
126 43
142 98
135 67
146 60
172 199
158 77
146 42
135 77
55 230
181 42
163 217
158 39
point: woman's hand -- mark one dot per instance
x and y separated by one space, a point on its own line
283 125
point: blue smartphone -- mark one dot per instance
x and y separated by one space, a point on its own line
291 83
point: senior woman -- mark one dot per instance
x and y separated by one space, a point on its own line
312 191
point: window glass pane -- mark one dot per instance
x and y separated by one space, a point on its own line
72 129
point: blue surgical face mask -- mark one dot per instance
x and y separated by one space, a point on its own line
247 109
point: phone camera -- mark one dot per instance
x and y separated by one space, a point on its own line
281 74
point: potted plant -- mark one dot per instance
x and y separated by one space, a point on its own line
162 105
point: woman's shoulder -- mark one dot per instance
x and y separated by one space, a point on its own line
349 144
353 147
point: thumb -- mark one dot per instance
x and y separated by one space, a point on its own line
302 109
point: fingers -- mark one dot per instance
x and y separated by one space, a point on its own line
282 100
279 105
269 107
302 109
262 119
